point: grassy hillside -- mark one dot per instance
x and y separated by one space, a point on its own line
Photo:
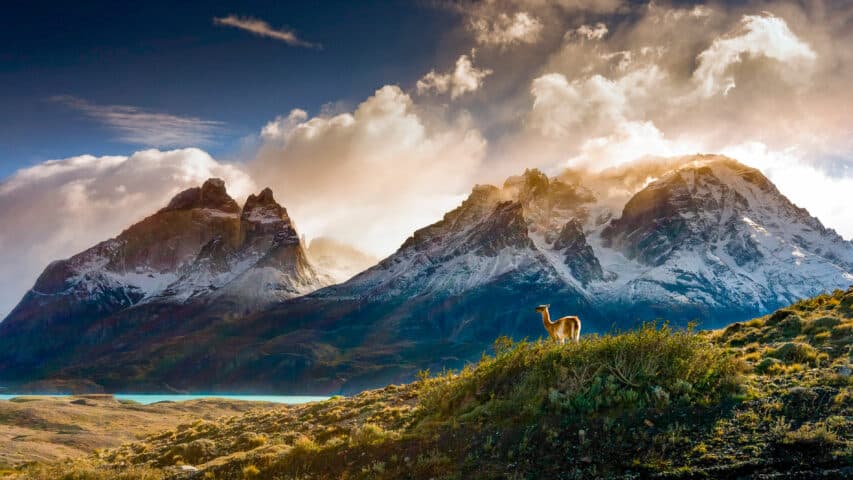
47 429
771 396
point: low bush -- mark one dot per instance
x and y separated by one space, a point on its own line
249 440
795 352
843 331
821 324
368 434
819 435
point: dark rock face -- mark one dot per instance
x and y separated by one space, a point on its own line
682 210
267 227
546 201
504 228
579 255
651 225
211 194
216 255
744 250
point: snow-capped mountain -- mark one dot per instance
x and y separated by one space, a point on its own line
714 236
709 239
201 247
268 263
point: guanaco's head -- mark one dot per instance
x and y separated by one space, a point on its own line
542 308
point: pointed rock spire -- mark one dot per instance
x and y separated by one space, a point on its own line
211 194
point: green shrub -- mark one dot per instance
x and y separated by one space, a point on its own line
847 301
368 434
795 352
843 331
779 315
251 471
821 324
791 326
818 435
769 365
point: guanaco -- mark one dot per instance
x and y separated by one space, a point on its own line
566 328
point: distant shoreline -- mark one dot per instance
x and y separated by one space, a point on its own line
147 399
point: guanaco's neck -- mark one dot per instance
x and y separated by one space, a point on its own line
546 318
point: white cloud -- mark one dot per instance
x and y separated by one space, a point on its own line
61 207
591 6
660 14
589 106
759 35
590 32
826 196
263 29
142 127
505 29
629 141
370 177
463 79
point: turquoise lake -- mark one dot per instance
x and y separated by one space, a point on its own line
154 398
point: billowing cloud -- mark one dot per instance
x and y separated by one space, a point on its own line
138 126
629 141
60 207
370 177
759 35
506 29
506 23
263 29
589 106
464 78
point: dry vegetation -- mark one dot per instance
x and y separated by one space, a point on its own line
769 397
47 429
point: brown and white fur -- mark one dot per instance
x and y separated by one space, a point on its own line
566 328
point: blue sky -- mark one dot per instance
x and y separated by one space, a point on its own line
170 57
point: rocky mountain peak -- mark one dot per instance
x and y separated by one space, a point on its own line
263 209
211 194
532 183
198 247
265 197
711 202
